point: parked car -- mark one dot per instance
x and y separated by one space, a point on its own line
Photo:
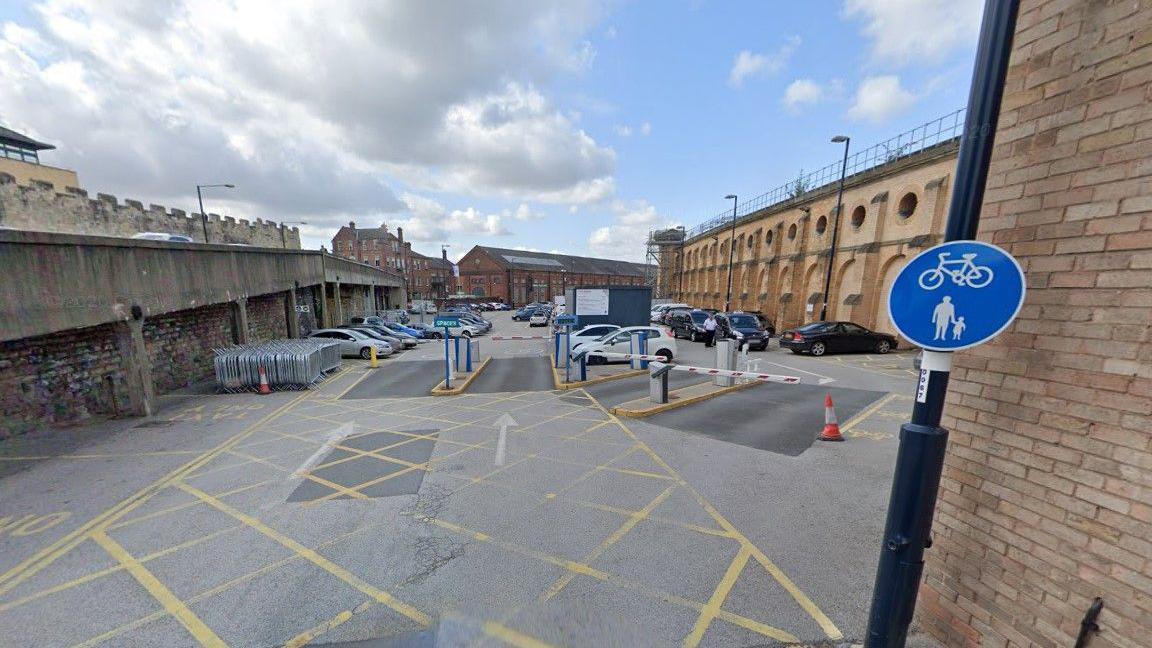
501 307
688 324
591 332
163 236
477 321
540 317
380 334
354 343
463 330
402 338
406 330
745 329
429 331
660 342
669 313
819 338
658 311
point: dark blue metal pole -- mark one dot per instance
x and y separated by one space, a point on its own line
447 362
920 459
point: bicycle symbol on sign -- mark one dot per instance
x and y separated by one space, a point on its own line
962 271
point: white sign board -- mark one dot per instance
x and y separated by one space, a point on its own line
808 308
591 301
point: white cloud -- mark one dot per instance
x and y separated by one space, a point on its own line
610 32
802 91
911 31
307 107
432 222
623 130
878 99
626 130
748 63
645 129
625 239
524 213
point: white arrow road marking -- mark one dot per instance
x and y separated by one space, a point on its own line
824 380
338 435
503 422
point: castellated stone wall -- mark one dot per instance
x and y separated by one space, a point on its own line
43 207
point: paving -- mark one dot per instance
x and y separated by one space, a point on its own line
400 379
348 517
514 374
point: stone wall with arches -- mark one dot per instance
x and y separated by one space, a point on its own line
781 254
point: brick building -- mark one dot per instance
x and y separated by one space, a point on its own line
431 277
1046 500
895 204
519 277
425 277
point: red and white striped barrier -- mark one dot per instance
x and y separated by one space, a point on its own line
628 356
790 380
521 337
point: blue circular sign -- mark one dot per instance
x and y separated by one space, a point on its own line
956 295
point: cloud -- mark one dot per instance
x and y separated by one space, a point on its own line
626 237
525 213
312 110
623 130
879 99
911 31
802 91
645 129
748 63
432 222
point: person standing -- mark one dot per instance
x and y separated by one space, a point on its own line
710 330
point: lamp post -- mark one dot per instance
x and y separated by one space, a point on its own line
731 252
835 224
203 214
283 226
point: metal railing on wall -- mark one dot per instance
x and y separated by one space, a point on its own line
923 137
288 364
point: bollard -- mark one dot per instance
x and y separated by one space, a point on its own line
636 345
658 382
567 354
556 350
456 344
583 367
725 359
468 356
372 361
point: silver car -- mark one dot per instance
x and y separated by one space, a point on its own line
381 334
355 343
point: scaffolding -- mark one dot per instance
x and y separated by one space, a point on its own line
663 262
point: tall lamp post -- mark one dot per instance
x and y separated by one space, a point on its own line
835 224
731 252
283 226
204 214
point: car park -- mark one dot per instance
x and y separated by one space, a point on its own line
660 342
657 313
819 338
540 317
591 332
464 329
428 331
354 343
688 325
409 341
405 329
477 321
745 328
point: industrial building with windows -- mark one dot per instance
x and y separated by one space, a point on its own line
519 277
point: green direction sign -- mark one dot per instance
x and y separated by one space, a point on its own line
446 321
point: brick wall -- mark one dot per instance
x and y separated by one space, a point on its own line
57 379
180 344
1046 500
266 318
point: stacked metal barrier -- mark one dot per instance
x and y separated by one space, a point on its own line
288 364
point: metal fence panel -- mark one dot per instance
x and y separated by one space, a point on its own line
288 364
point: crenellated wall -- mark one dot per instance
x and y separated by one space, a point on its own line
40 206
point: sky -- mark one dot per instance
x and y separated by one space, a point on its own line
572 126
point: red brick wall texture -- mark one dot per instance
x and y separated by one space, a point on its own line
1046 500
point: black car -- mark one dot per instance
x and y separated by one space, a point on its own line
819 338
666 316
688 324
745 328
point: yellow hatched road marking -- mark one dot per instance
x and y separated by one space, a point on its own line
869 411
719 595
512 637
312 556
160 592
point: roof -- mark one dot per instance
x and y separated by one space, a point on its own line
544 261
433 261
373 233
23 141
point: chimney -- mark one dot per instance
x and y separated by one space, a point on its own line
400 234
444 253
351 224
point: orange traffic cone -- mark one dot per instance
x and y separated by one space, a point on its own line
264 388
831 427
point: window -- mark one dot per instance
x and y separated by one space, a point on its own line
858 215
854 329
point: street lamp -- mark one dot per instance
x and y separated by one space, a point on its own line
731 252
844 139
283 226
204 214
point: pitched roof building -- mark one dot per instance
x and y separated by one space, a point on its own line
519 277
425 277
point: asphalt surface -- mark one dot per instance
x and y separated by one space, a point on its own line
612 393
349 517
400 379
512 375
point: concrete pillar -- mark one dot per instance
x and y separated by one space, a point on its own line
291 317
137 367
338 311
870 284
240 320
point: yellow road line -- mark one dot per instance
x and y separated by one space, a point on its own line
159 591
310 635
105 455
46 556
512 637
354 383
306 475
312 556
860 416
181 507
619 533
719 595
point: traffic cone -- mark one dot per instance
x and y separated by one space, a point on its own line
831 427
264 388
